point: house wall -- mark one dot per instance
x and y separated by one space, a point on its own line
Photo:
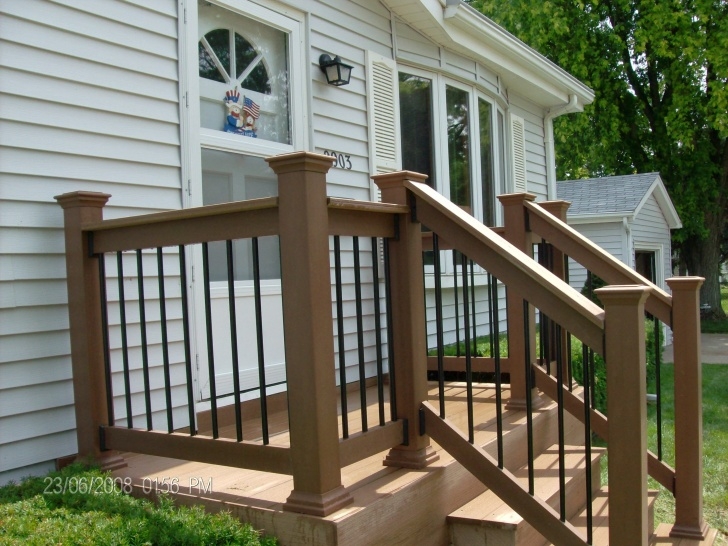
610 236
90 100
651 232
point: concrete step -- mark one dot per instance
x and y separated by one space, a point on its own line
486 520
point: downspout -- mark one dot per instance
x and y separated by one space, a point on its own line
548 121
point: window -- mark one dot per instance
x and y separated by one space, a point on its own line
248 58
458 140
415 112
243 62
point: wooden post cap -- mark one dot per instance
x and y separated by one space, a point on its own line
82 199
300 161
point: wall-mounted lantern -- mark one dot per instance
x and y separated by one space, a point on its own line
337 72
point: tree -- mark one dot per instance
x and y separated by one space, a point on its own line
659 69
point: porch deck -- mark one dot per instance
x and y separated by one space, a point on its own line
379 513
383 510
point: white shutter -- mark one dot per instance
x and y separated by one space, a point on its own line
518 148
383 113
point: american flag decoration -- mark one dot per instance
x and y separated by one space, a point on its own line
250 108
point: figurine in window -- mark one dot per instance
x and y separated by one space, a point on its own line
233 123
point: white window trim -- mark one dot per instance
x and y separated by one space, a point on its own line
193 137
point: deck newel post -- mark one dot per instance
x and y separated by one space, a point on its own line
84 312
408 323
558 209
689 522
517 233
624 350
308 320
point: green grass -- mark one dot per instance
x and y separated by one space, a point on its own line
717 326
33 513
715 446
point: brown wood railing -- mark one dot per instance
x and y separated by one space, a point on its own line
304 218
680 312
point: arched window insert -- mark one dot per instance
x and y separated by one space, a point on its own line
248 57
227 57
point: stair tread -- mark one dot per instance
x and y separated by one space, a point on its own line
488 509
600 516
662 537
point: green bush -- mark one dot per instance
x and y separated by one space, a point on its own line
600 369
32 512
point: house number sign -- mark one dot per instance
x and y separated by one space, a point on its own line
343 161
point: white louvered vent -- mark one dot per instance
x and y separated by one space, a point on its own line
518 146
383 114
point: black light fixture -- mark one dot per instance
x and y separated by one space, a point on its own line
337 72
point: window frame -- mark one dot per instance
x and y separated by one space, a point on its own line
440 147
195 137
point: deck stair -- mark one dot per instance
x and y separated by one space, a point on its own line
488 520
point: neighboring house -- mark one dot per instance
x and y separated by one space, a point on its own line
132 99
629 216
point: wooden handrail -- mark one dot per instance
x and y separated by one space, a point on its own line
595 258
237 220
540 287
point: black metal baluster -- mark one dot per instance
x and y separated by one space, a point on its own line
259 341
165 344
360 337
340 338
390 345
143 331
105 338
186 336
378 331
529 404
492 298
210 347
587 443
658 386
457 303
439 326
495 352
560 415
468 352
472 307
124 339
232 314
570 364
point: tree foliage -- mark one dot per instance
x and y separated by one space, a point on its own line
659 69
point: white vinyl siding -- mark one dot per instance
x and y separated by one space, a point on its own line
610 236
650 232
341 114
88 101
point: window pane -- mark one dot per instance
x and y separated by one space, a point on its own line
244 54
259 57
208 68
219 41
415 111
234 177
458 146
486 161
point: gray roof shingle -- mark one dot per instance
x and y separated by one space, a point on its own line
606 195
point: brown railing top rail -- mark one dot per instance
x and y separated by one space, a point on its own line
242 219
595 258
514 268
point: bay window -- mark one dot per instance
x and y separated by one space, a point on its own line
449 132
